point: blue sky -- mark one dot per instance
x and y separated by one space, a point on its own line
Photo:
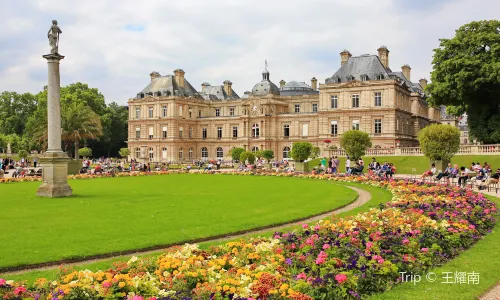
114 45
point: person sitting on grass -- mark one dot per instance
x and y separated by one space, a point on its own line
446 172
493 179
430 172
208 167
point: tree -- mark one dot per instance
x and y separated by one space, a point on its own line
247 155
268 154
115 131
15 110
355 143
467 75
85 152
124 152
439 141
236 153
301 151
22 153
315 152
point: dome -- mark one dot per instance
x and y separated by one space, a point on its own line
296 86
265 87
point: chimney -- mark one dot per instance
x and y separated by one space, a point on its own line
406 71
179 77
227 87
204 87
344 56
423 83
314 83
154 75
282 83
383 54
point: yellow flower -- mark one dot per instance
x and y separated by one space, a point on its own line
121 284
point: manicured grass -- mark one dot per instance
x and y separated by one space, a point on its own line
116 214
405 164
378 196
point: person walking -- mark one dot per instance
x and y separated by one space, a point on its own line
348 165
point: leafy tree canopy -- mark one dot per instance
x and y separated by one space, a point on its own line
247 155
301 151
85 152
124 152
15 109
268 154
467 75
236 153
439 141
355 143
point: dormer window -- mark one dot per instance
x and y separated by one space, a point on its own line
350 78
380 76
339 80
364 77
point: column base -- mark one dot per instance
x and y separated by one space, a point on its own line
54 175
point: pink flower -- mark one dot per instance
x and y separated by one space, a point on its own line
302 276
406 241
424 249
341 235
136 298
321 258
486 211
472 226
326 246
369 245
2 281
19 290
317 227
106 284
305 226
381 261
153 298
340 278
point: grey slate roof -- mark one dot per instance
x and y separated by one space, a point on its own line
217 92
166 85
414 87
294 88
357 66
265 87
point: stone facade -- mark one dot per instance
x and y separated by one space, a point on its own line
170 121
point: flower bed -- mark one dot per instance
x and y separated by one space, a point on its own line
342 258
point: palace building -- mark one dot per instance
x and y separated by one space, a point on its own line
170 121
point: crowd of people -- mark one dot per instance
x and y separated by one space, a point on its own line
482 173
19 168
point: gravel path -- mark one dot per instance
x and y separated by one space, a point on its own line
363 197
492 294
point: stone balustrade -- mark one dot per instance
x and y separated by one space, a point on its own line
416 151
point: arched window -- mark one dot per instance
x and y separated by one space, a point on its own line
190 153
180 153
286 152
220 152
137 153
164 153
204 152
255 149
255 130
151 154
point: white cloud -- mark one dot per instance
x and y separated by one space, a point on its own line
217 40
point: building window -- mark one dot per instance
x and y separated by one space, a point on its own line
137 113
219 133
164 153
255 149
180 111
137 153
235 131
380 77
150 135
190 114
286 130
180 132
231 111
286 152
190 132
204 152
164 132
378 126
297 108
305 129
334 101
138 133
315 107
355 125
190 153
164 111
150 112
355 100
219 152
199 113
217 112
255 130
333 128
151 154
378 99
181 153
204 133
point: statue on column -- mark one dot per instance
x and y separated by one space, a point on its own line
53 36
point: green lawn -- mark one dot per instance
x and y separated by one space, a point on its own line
117 214
404 164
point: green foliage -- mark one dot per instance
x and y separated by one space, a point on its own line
315 152
247 155
15 109
467 75
258 154
355 143
236 153
301 151
268 154
85 152
124 152
22 153
439 141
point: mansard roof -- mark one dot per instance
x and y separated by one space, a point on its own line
217 92
356 66
167 85
294 88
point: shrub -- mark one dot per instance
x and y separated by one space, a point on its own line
315 152
124 152
22 153
301 151
247 155
268 154
236 153
439 141
85 152
355 143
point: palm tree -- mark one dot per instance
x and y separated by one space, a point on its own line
79 121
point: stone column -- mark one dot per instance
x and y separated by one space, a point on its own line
54 162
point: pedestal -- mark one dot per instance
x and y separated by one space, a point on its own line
54 175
